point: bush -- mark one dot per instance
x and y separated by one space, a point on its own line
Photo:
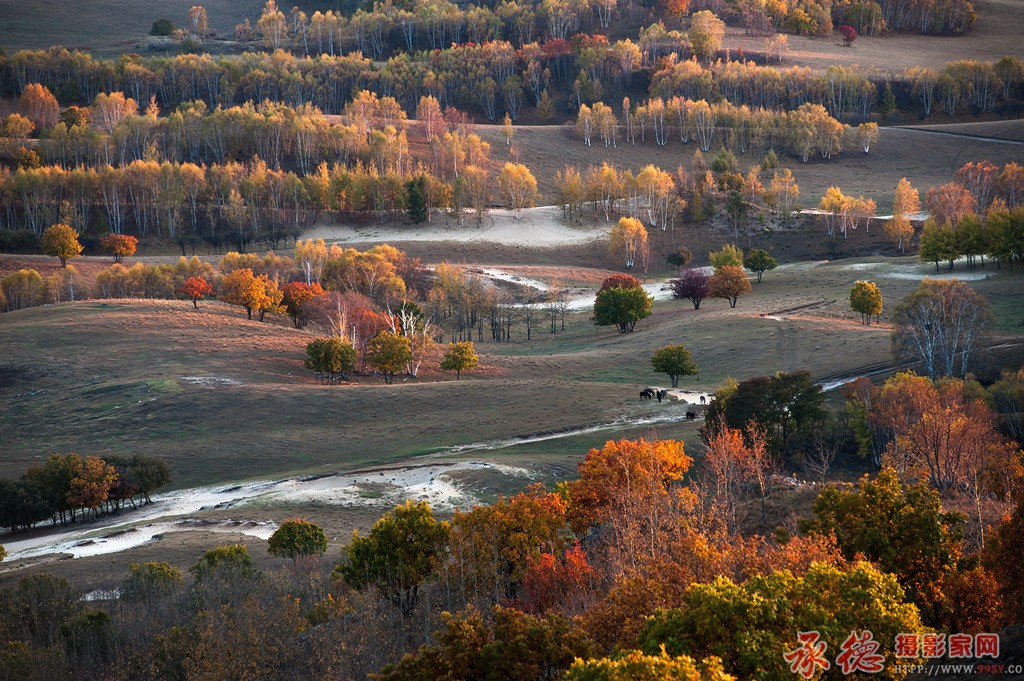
18 241
163 27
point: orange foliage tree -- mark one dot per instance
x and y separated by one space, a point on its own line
492 546
296 295
90 486
242 287
950 203
39 105
120 246
632 486
196 288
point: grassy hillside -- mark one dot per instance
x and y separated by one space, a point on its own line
223 398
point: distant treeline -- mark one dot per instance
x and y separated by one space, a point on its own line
496 77
70 486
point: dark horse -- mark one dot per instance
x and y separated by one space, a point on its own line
647 394
691 415
662 394
703 400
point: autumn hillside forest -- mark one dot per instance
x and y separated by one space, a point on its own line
512 340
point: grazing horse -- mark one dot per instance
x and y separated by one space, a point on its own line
691 415
662 394
646 394
703 400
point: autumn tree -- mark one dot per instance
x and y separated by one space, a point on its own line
706 33
39 105
622 307
507 644
898 230
630 487
296 295
939 324
389 353
679 258
16 126
330 357
1002 556
674 361
61 241
296 539
273 26
196 23
866 298
900 527
728 256
460 357
760 261
91 482
906 200
627 238
949 203
867 135
693 286
751 626
402 550
196 288
120 246
730 282
941 433
493 546
518 186
151 580
637 666
242 287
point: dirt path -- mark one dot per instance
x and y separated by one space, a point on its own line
961 135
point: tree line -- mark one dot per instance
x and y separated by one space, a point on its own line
70 486
801 132
495 76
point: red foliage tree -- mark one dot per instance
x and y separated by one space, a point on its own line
196 288
849 34
620 281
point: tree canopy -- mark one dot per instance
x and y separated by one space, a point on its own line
296 539
675 361
622 307
404 548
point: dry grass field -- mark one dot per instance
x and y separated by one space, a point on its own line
925 159
222 397
997 32
107 27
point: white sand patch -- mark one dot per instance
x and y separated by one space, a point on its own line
690 396
919 271
171 512
501 275
210 381
541 226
